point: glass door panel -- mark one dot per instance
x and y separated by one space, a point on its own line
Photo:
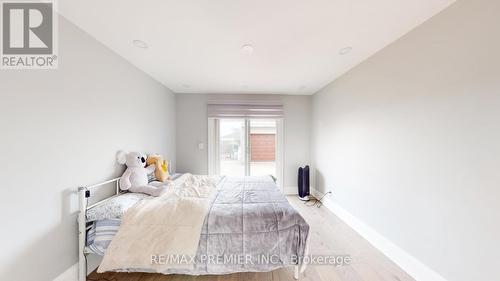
232 147
262 147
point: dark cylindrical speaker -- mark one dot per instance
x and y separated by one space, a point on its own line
300 180
303 183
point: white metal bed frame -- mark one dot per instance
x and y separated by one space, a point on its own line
84 193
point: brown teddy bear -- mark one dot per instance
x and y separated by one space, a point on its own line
161 167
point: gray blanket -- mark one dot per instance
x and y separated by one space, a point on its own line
250 227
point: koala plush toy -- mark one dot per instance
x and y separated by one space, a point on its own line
135 177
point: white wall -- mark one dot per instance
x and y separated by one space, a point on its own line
61 129
409 141
192 129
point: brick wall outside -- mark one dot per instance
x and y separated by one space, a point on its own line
263 147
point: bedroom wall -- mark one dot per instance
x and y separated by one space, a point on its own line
409 141
192 129
60 129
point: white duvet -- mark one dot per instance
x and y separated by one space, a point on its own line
168 225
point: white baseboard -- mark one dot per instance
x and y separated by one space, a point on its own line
403 259
71 274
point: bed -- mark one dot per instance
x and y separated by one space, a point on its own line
248 217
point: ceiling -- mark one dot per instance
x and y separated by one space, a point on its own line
196 46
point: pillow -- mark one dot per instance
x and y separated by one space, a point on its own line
101 234
175 176
114 208
152 177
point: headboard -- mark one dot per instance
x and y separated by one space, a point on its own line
84 194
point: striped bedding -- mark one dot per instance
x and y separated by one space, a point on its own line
100 234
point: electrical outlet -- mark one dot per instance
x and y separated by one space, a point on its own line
329 191
201 146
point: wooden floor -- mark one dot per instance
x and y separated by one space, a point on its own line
330 236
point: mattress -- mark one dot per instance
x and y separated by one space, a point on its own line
250 227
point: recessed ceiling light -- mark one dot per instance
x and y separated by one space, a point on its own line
140 44
247 49
302 87
345 51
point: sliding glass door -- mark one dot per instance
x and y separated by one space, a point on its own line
245 146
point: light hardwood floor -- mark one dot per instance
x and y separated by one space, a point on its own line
330 236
